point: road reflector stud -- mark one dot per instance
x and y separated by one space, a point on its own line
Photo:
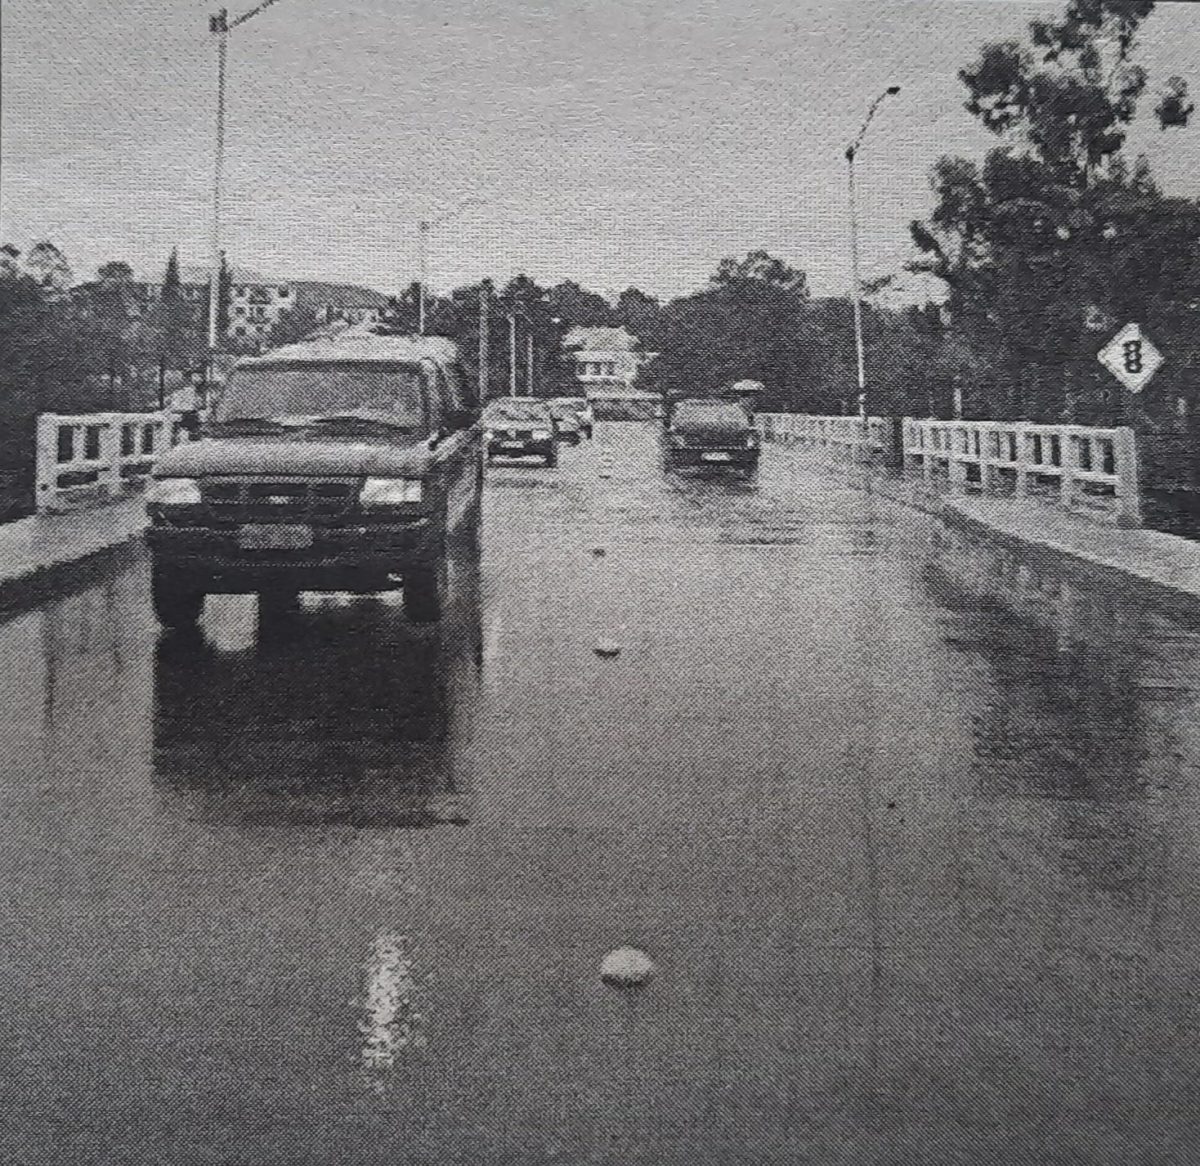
606 647
627 968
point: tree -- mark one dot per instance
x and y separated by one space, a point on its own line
640 314
748 323
49 266
179 342
760 268
580 307
1056 225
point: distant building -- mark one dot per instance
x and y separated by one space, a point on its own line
258 304
606 366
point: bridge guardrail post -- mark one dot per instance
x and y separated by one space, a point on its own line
1021 488
959 437
1129 490
45 462
110 455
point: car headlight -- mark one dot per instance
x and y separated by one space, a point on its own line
173 492
541 434
752 438
390 491
678 439
489 435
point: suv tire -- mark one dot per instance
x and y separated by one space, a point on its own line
177 603
552 459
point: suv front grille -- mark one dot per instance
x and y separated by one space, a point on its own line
702 440
238 500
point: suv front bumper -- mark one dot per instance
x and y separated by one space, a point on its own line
340 558
741 456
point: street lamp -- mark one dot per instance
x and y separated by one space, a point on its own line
512 354
423 229
851 154
221 26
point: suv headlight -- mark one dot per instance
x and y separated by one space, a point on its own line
489 434
752 437
390 491
541 435
173 492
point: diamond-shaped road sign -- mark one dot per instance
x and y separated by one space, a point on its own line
1131 357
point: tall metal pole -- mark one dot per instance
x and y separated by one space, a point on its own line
512 355
857 290
218 24
529 364
423 263
485 295
851 155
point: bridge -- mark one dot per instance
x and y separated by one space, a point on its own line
893 773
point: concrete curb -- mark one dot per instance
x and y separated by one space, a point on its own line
1130 568
39 559
1178 602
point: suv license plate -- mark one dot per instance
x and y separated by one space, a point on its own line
268 537
716 457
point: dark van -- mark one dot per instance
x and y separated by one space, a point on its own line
345 464
711 432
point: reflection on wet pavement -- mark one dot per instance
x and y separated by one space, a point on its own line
909 826
341 712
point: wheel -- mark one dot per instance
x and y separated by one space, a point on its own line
177 602
552 458
425 593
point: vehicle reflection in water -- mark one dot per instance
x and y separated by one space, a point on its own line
340 713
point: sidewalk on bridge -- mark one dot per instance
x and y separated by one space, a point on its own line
1165 563
46 551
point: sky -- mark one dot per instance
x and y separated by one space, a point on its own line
614 142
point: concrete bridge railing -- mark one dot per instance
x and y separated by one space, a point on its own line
87 457
1076 466
840 437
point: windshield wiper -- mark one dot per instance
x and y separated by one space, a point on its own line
250 425
366 419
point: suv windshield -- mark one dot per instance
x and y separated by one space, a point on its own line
706 412
318 390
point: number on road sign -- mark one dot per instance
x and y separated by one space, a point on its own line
1131 357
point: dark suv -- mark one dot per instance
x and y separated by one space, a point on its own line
711 432
335 465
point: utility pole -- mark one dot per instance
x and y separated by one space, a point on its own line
221 26
422 265
218 25
529 364
512 354
423 229
485 295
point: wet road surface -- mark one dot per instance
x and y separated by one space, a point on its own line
920 877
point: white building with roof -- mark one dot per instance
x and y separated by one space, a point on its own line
607 363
